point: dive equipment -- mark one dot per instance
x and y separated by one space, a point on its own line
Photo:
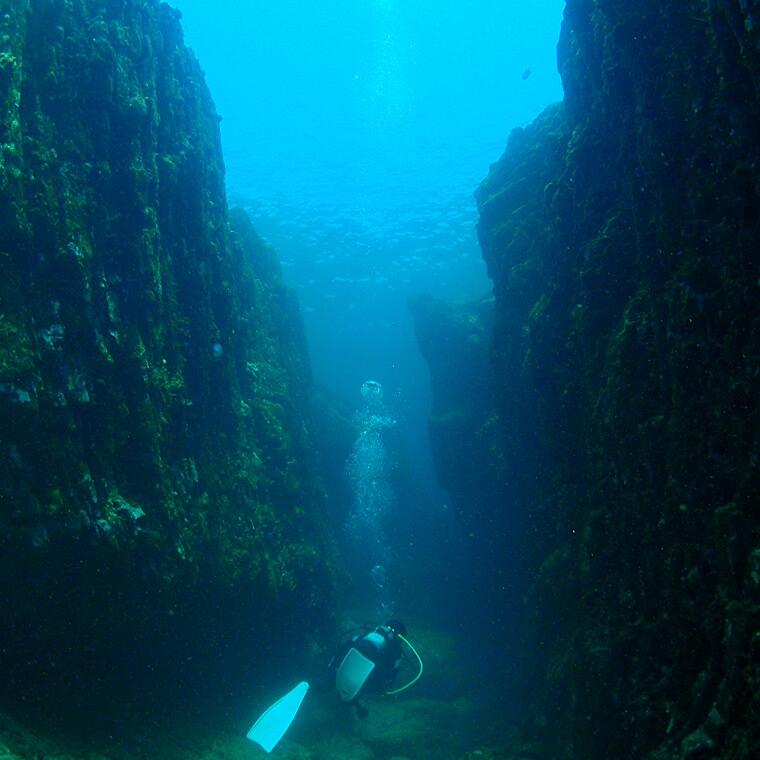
352 674
275 721
417 677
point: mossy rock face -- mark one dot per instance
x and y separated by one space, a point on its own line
157 483
455 341
620 230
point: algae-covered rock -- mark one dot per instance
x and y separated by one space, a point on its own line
620 230
454 341
158 505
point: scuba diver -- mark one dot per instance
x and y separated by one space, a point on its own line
367 662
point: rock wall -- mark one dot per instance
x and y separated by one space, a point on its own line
465 437
620 231
158 503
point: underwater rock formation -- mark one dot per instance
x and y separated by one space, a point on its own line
464 436
455 343
157 496
621 234
468 440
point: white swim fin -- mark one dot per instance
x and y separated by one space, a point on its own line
275 721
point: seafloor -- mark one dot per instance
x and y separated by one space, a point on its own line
442 718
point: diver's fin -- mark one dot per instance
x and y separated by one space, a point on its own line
275 721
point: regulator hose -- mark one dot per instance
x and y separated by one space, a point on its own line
417 677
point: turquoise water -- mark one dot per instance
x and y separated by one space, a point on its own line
355 133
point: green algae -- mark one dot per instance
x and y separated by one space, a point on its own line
142 471
618 233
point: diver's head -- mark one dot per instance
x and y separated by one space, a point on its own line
397 626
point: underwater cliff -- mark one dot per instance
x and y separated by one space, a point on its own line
158 501
621 234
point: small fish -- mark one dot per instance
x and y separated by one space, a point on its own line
526 74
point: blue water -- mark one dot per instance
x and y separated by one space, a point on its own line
355 132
